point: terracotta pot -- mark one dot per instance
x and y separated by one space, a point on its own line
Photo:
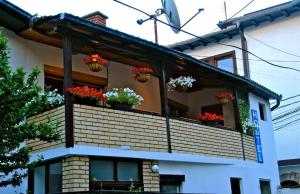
143 78
223 100
181 88
95 66
121 106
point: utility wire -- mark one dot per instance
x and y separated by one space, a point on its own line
286 111
286 105
287 124
298 95
272 46
203 39
241 9
271 60
286 114
286 118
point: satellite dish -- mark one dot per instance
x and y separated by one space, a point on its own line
171 13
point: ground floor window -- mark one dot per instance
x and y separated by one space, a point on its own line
46 178
171 183
114 174
265 186
235 185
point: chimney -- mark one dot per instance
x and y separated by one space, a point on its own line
96 17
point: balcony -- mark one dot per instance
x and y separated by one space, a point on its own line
141 131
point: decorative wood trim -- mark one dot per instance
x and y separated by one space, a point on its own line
77 76
245 54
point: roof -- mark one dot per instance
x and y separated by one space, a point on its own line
122 47
13 17
230 27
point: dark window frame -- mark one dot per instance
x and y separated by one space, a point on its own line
213 60
47 170
269 184
124 185
262 111
232 181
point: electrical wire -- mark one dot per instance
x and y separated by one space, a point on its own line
286 105
272 46
271 60
286 114
286 118
297 95
241 9
287 124
204 39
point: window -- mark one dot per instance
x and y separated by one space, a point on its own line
171 183
235 185
265 187
225 61
114 174
46 178
177 109
262 112
54 79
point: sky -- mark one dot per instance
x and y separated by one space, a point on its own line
124 19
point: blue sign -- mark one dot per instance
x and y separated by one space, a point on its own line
259 152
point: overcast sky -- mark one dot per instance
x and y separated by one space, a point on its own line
124 19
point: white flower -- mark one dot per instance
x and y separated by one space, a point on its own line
182 81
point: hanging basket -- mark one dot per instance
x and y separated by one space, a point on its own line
95 66
181 88
223 100
143 78
121 106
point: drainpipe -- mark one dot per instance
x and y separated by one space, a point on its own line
277 103
244 50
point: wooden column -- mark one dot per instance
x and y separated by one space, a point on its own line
164 103
67 58
164 70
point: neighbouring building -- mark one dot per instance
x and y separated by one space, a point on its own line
159 146
272 34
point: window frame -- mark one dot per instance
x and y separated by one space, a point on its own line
265 180
262 111
116 182
213 60
47 172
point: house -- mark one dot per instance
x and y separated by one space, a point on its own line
272 34
159 146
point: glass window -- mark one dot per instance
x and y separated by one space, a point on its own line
128 171
102 170
167 188
55 177
262 112
226 64
39 180
265 187
235 185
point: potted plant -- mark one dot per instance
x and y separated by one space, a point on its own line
95 62
210 118
86 95
181 84
123 98
244 111
142 74
225 97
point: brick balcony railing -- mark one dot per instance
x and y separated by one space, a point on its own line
108 128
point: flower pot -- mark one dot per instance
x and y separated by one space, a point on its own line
85 101
181 88
95 66
121 106
223 100
142 77
211 123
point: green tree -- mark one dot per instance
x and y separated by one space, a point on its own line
20 98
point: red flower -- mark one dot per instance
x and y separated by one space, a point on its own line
225 95
210 117
95 58
86 92
142 70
